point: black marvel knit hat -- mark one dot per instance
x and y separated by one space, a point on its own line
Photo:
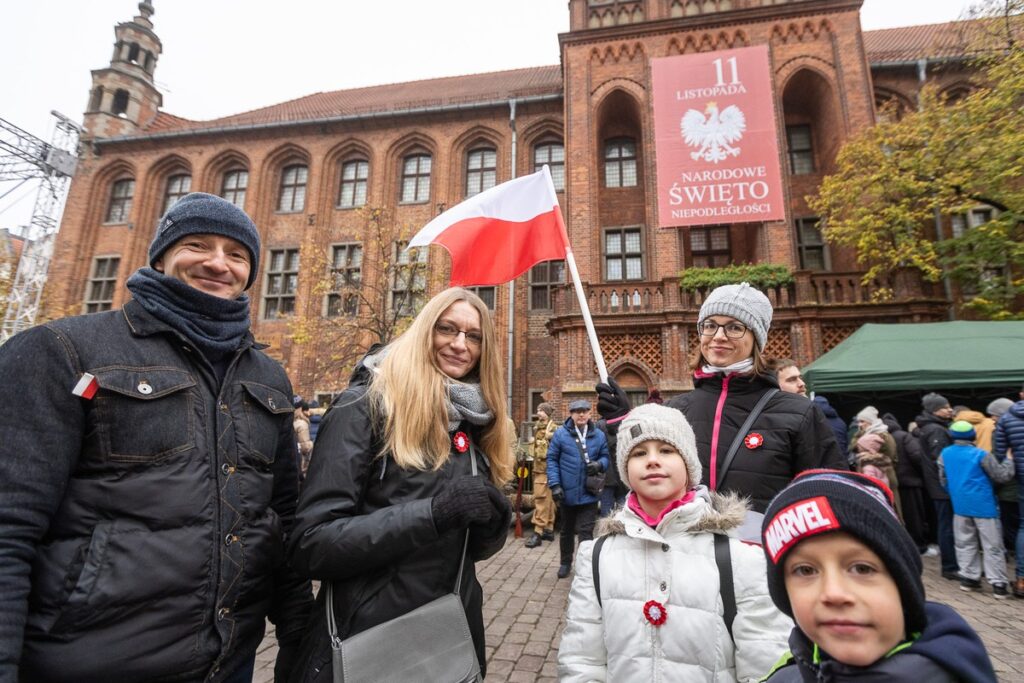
201 213
820 501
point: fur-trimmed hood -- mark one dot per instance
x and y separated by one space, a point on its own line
709 511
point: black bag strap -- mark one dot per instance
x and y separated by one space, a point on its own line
735 446
332 625
723 559
595 564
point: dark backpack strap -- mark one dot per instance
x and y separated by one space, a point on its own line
723 559
735 446
595 563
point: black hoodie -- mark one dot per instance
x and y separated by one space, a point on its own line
947 650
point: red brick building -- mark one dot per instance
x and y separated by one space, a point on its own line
302 169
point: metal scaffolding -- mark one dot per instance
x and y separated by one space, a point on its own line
24 157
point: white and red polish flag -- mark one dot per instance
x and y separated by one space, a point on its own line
499 234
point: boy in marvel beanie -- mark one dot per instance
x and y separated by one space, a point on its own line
845 569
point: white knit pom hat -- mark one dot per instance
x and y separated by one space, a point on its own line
653 421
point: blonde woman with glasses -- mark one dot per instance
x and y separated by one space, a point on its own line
391 494
788 434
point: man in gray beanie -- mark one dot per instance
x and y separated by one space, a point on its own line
154 453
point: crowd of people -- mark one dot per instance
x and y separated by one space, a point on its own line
152 517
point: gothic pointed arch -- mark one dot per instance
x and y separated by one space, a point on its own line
478 138
213 172
348 151
167 179
275 165
410 144
633 375
102 187
810 107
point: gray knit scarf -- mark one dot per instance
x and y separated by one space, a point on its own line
466 402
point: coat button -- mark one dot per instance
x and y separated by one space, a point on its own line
231 538
663 586
223 613
145 388
226 468
664 547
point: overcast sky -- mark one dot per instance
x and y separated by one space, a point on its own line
222 57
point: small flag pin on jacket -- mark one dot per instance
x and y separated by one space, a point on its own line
86 386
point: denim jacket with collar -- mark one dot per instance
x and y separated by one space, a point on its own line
142 529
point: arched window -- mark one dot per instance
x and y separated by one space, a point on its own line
292 195
353 183
234 185
620 163
120 206
481 170
120 106
177 187
552 154
415 178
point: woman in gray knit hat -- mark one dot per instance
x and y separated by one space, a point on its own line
788 434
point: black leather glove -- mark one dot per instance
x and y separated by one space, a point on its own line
287 656
612 401
463 502
593 468
557 494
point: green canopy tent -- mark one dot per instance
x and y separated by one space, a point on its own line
891 366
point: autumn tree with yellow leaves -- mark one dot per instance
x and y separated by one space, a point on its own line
893 180
367 293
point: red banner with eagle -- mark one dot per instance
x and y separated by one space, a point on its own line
715 138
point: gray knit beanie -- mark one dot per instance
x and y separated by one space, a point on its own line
998 407
868 414
207 214
744 303
932 402
653 421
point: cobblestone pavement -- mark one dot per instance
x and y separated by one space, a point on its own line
524 612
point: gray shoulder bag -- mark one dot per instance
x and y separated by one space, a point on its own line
430 643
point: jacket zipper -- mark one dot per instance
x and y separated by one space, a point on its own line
714 432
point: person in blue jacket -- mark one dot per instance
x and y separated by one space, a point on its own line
577 450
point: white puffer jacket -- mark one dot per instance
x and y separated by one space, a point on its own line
675 565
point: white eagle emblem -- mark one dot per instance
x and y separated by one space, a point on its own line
713 133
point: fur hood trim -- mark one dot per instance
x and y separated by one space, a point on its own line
726 512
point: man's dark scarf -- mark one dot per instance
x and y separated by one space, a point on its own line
214 325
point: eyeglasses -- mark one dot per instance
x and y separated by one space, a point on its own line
733 330
473 338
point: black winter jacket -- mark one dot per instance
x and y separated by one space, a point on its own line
795 435
366 524
933 435
909 464
142 531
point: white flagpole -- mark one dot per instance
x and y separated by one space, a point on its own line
602 371
570 261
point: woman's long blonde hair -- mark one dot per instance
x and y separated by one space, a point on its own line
409 393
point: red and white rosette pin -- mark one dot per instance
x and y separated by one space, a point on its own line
655 612
753 440
461 442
